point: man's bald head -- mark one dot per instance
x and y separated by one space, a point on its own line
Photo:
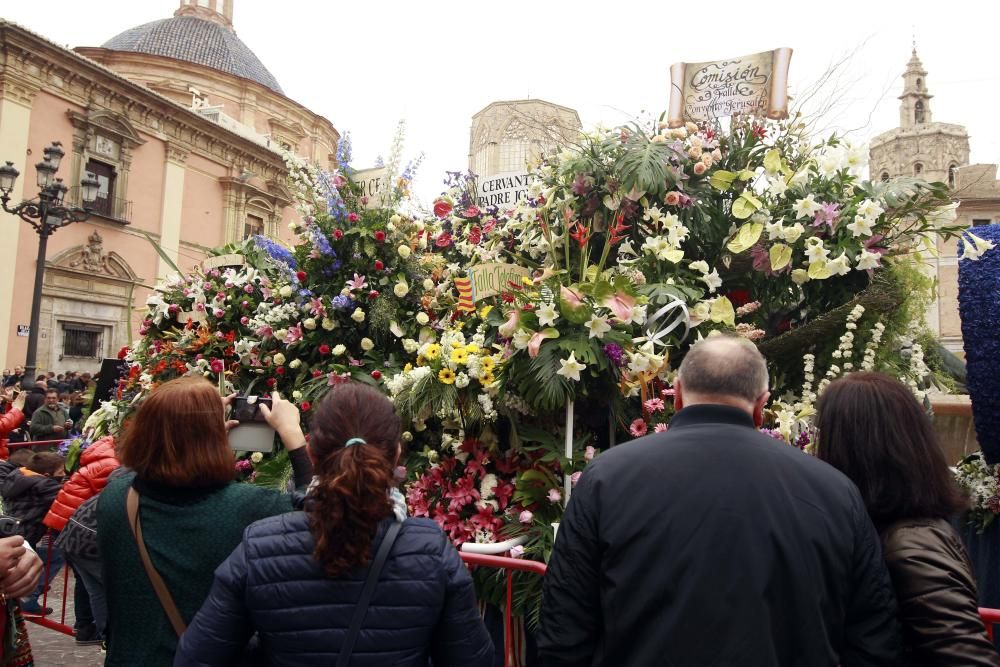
724 367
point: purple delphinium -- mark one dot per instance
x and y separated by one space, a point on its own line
615 353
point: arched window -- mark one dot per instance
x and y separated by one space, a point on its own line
920 84
918 169
918 111
952 176
885 177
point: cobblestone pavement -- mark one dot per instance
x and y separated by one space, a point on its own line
52 648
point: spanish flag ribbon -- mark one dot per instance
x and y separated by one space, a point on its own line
465 303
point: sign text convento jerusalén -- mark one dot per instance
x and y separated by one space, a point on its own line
502 190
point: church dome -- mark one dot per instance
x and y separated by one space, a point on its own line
196 40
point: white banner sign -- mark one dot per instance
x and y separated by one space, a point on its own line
372 182
502 190
750 85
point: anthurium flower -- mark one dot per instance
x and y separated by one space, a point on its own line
508 328
620 304
570 368
538 338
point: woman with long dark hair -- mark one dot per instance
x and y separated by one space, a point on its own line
350 580
873 430
178 514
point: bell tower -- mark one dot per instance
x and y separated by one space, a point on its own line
915 102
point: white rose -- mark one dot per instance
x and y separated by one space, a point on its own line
309 323
281 333
395 219
401 290
279 359
428 284
422 318
285 291
296 394
329 324
367 345
339 350
358 315
295 363
404 251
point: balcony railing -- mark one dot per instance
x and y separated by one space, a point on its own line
112 208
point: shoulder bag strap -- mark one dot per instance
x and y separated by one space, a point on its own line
344 659
159 586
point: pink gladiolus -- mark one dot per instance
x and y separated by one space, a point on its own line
525 517
554 495
621 305
638 428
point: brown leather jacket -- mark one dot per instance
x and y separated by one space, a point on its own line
938 605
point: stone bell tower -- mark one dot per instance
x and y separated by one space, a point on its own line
919 147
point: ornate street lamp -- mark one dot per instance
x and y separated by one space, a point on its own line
46 214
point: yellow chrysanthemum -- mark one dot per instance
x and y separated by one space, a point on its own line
459 356
447 376
433 351
486 377
488 364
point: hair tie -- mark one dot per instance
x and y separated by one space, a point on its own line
354 441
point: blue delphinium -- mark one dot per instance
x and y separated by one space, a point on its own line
979 306
341 302
276 251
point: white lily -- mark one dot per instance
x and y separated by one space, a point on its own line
570 368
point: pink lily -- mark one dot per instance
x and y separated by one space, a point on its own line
359 282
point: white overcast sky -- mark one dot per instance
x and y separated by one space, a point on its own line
368 63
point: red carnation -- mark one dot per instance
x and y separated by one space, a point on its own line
305 405
337 234
442 208
280 370
380 236
379 265
271 382
376 374
301 275
324 349
352 217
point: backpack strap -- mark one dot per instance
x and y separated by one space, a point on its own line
159 586
344 657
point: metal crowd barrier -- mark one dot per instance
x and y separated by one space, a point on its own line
48 621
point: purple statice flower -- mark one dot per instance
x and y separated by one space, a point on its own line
341 302
827 215
773 432
615 353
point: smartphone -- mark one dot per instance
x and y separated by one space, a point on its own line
252 434
246 409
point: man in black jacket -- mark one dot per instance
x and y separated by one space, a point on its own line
713 544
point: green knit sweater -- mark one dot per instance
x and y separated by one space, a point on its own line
188 533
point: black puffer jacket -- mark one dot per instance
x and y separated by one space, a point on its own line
424 604
28 498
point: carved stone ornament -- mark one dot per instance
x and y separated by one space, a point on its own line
92 256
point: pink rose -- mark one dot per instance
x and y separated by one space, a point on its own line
525 517
554 495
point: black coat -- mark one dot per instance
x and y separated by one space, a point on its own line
28 498
713 544
424 603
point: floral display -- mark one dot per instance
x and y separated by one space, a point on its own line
981 481
630 244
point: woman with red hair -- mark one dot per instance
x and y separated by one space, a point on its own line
188 514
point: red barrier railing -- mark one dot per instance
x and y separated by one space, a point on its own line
47 621
509 566
990 618
36 443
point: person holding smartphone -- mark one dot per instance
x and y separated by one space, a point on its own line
10 419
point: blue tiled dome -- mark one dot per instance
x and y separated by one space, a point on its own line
198 41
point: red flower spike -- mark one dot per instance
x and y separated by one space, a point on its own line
617 231
579 234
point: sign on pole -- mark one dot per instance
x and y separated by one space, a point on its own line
502 190
756 84
373 185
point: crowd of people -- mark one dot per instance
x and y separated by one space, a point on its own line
52 408
708 544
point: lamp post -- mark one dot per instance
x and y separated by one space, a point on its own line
46 214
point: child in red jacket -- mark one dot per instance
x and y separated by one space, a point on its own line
97 462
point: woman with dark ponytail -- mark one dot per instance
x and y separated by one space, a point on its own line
350 580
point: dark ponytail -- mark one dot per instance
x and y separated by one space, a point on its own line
351 496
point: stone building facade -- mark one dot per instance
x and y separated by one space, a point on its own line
183 127
506 135
936 151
